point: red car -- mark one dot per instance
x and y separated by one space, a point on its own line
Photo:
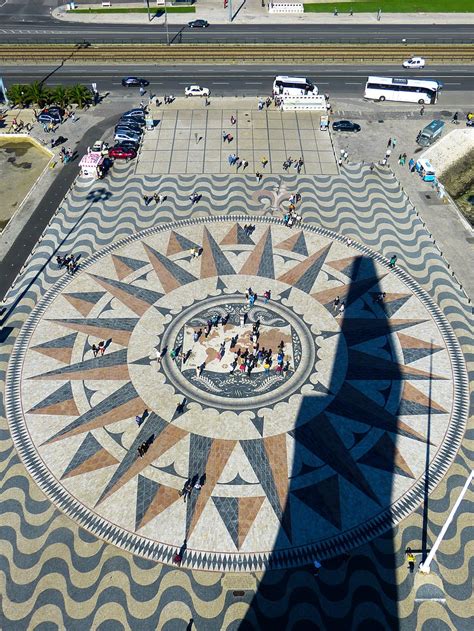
122 153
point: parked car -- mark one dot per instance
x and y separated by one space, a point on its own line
129 125
50 115
130 144
196 90
198 24
138 112
414 63
345 126
132 120
124 134
134 82
122 153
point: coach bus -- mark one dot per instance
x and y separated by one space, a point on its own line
409 90
293 86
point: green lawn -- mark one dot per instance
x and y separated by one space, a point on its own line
393 6
153 10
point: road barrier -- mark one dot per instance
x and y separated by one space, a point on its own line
86 52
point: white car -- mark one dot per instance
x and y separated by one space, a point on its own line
196 90
414 63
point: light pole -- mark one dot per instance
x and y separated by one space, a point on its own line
147 4
166 26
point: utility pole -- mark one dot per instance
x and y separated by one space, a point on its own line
147 4
166 25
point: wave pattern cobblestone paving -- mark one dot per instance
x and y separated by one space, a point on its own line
140 292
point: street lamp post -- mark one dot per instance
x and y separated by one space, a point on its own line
147 4
166 26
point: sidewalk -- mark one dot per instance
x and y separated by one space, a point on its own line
252 12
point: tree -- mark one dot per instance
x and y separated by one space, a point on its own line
17 94
37 93
60 96
79 94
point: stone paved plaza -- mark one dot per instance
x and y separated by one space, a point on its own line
327 459
190 141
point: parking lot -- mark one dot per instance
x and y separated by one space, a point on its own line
188 138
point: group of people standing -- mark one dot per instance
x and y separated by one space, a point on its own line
70 262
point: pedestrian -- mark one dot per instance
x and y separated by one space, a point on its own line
411 165
388 153
266 367
60 261
230 138
267 295
138 420
389 143
244 164
286 368
239 164
258 176
316 567
279 370
342 307
411 558
146 199
264 161
233 120
224 136
393 261
422 110
160 354
394 142
142 90
95 350
336 303
173 353
372 166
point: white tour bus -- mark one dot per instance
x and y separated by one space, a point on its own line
410 90
293 86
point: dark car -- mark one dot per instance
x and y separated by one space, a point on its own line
129 125
345 126
122 153
131 120
53 109
134 82
198 24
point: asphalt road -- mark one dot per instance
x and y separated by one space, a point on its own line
29 21
39 30
341 81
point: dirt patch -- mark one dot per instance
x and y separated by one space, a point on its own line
459 182
21 164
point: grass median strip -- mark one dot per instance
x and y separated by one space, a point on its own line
392 6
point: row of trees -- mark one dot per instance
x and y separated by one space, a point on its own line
38 94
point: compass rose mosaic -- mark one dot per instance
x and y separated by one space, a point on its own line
288 381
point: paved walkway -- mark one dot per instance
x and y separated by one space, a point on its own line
69 562
191 141
252 12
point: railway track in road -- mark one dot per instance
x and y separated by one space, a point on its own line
86 52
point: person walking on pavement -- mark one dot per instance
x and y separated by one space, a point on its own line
393 261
